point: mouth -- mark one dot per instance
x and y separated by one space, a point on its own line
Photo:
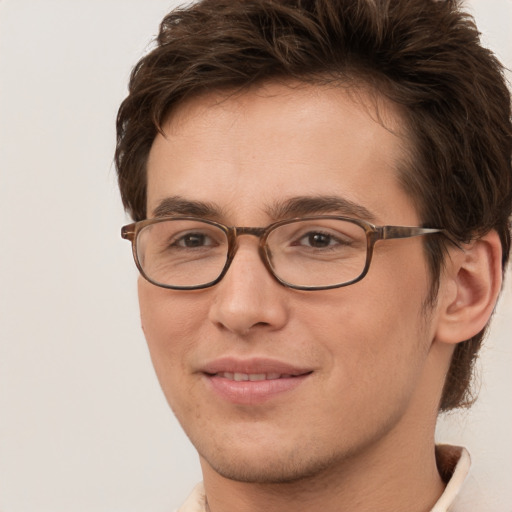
253 382
254 377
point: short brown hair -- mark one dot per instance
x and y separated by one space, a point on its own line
424 55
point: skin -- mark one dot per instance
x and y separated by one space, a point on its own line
357 432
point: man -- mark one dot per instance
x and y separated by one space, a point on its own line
321 193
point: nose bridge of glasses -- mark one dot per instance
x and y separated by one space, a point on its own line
251 231
258 232
243 230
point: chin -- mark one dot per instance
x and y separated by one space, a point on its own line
274 468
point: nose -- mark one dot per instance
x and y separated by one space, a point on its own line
248 298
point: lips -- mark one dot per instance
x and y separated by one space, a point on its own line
254 381
240 377
272 368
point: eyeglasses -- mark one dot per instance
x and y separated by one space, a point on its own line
309 253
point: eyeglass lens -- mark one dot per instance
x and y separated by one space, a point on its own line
188 253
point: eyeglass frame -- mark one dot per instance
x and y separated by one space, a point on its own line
373 232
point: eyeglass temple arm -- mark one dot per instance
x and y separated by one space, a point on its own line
128 232
390 232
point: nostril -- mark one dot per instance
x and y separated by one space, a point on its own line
261 324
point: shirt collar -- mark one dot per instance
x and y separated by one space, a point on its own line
453 463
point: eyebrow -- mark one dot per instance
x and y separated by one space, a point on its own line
294 207
312 205
177 205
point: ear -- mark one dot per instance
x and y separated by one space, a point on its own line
469 288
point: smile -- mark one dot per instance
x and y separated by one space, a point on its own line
252 382
253 377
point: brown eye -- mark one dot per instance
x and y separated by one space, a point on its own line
191 240
319 240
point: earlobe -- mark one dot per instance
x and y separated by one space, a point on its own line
470 286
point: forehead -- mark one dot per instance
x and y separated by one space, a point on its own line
263 100
275 142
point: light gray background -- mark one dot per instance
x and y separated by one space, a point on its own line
83 423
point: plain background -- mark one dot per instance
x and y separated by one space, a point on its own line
83 423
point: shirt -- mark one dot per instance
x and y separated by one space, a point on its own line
453 463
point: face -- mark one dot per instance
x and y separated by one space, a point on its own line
332 374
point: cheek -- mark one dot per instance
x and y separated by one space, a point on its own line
376 330
170 323
377 349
